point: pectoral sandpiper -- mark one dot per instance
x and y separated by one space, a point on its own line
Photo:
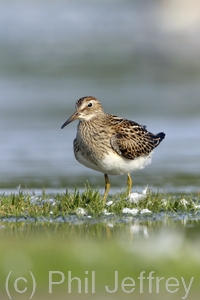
110 144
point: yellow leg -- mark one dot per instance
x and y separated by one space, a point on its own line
107 187
129 183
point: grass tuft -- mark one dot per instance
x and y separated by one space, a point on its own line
89 202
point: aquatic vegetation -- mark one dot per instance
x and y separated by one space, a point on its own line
89 204
73 233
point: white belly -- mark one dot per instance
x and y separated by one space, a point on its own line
114 164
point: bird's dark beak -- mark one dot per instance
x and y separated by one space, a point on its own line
71 119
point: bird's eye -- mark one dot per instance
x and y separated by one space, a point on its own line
90 104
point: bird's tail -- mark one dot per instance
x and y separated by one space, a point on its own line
159 137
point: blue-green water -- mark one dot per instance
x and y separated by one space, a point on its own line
136 58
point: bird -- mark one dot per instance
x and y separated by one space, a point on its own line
110 144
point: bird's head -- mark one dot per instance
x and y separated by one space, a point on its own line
86 108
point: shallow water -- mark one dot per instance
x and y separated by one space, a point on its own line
133 61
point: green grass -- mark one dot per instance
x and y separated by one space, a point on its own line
89 202
74 232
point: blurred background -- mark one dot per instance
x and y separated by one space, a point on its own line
140 59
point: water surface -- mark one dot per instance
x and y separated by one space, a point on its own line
125 54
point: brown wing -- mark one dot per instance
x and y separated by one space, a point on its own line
133 140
